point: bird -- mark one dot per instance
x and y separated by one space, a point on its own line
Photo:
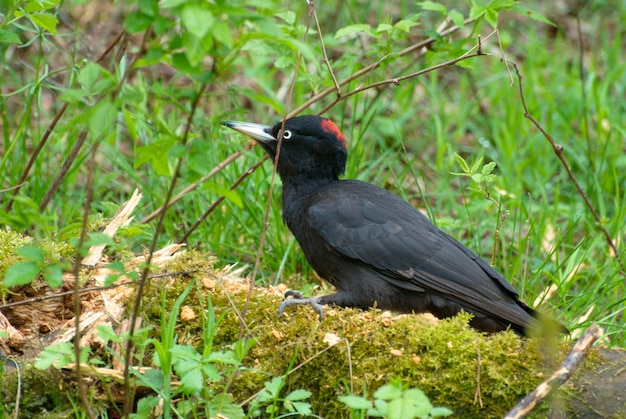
374 247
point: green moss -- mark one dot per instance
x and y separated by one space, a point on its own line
10 241
50 393
440 358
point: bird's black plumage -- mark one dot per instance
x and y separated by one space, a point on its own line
373 246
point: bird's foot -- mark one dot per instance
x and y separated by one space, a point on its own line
295 298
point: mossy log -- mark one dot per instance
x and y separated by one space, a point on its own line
474 374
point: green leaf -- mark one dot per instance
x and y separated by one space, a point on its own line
462 163
302 408
222 357
289 17
384 27
196 49
356 402
45 21
284 61
96 239
498 5
388 392
59 355
477 165
526 11
53 274
192 381
222 33
488 168
156 155
197 19
352 29
299 394
232 195
8 37
103 120
166 4
477 177
149 7
116 266
477 10
491 16
151 378
432 6
146 405
439 411
405 25
380 406
457 18
419 400
222 405
31 253
38 6
211 372
21 273
88 75
107 334
273 387
137 22
400 409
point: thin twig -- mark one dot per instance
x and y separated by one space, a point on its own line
219 200
228 160
506 65
9 189
583 90
397 80
51 127
89 289
477 394
527 249
326 60
69 161
18 389
91 169
128 394
65 167
268 207
368 69
558 150
560 376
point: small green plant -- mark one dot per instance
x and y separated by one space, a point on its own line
481 174
59 355
394 401
34 263
204 375
269 403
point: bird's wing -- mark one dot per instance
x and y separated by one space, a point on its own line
367 223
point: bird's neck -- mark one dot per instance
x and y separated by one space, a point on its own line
296 191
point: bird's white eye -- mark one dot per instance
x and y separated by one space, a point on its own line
287 135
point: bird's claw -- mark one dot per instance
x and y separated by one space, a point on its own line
295 298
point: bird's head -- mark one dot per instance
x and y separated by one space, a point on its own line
311 146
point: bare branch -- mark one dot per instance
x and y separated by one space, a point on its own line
560 376
228 160
558 150
326 60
